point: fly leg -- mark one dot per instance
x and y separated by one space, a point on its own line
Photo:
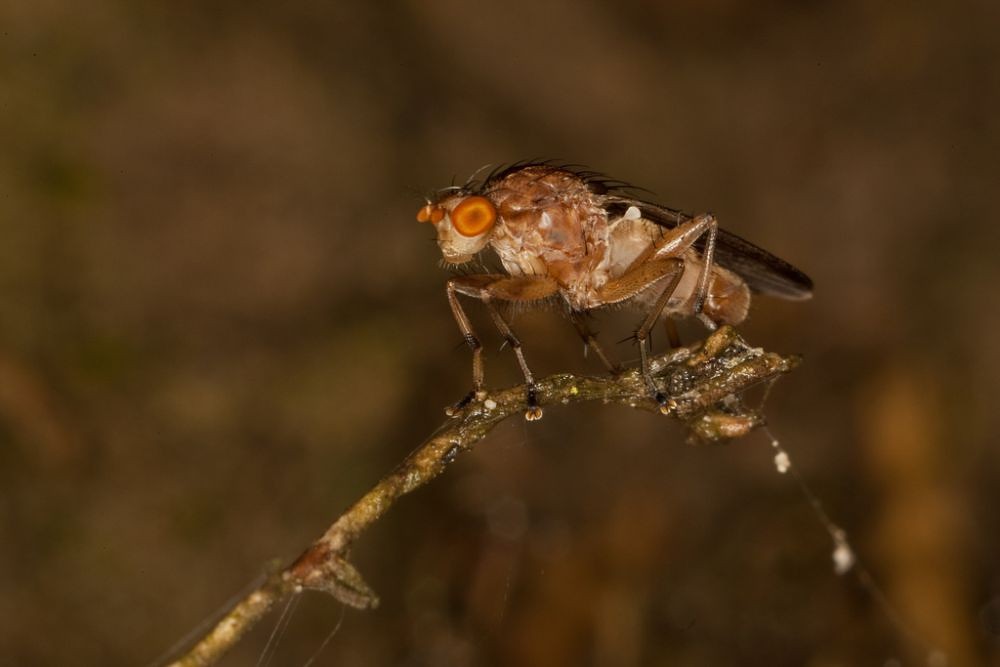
680 240
465 326
489 288
676 243
667 272
590 340
533 412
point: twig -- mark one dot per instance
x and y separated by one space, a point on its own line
704 383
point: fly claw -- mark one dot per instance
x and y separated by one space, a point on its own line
533 412
455 408
667 405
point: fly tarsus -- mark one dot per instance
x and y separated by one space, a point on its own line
642 338
665 404
455 408
534 411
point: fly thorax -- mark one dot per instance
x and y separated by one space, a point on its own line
516 258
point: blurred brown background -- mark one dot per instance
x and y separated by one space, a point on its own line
219 324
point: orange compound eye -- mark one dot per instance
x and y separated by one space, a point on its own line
474 216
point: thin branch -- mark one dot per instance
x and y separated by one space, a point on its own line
704 382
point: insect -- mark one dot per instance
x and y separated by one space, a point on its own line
566 234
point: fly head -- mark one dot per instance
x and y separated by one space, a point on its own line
464 224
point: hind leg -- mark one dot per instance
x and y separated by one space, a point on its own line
665 272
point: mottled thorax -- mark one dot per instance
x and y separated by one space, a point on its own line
550 224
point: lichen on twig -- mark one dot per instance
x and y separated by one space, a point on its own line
704 383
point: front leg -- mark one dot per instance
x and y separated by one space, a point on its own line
489 288
465 326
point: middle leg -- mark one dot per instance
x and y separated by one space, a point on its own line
590 341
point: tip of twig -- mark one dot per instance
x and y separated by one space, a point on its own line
324 570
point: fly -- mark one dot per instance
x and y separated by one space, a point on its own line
575 236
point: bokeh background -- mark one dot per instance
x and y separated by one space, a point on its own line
220 323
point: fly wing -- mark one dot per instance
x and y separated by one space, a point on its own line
763 272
